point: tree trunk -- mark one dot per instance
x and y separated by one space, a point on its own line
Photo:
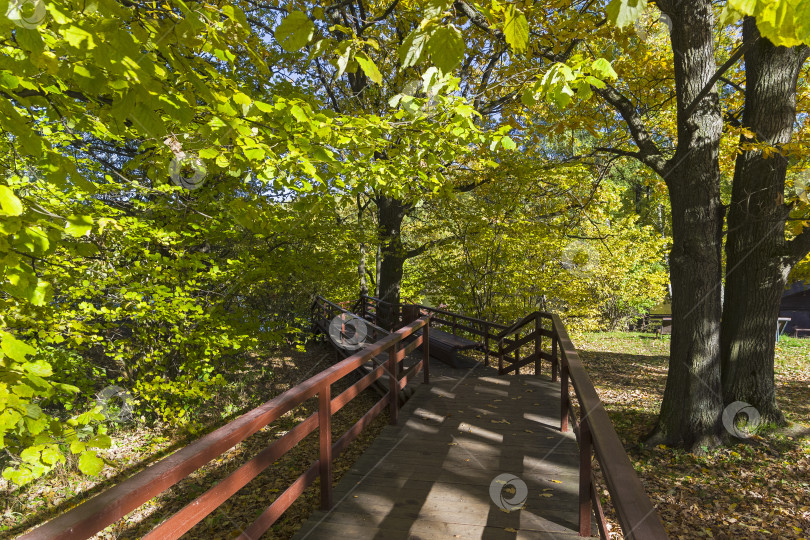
361 265
391 213
758 259
692 405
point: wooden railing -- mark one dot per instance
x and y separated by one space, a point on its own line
545 335
596 436
506 343
323 312
108 507
457 324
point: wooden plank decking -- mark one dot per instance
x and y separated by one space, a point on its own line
430 476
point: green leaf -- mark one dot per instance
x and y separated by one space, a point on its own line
508 143
368 67
100 441
625 12
295 31
78 225
516 29
10 205
602 67
412 49
40 368
51 455
90 463
14 348
446 48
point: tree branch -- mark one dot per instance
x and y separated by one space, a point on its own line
649 153
428 245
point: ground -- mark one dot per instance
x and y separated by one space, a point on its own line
756 488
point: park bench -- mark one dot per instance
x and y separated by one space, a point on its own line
444 346
797 330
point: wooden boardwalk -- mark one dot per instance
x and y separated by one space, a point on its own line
432 475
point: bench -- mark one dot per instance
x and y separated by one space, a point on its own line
444 346
797 330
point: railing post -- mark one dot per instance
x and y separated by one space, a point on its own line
325 436
516 357
538 345
426 350
500 356
393 385
486 344
555 363
564 399
584 477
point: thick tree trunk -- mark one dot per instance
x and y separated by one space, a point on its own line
758 259
390 212
692 405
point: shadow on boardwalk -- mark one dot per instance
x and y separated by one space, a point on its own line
432 475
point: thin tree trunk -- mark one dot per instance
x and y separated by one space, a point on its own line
758 260
692 405
361 265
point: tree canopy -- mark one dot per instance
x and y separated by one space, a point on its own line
179 178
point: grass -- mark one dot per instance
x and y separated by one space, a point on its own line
755 488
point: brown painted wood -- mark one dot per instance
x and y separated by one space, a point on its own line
520 342
195 511
393 387
430 476
325 443
358 427
426 350
635 511
111 505
455 342
584 478
284 501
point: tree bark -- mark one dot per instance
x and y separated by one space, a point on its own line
692 406
391 213
757 253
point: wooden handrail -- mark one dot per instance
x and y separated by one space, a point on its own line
443 312
113 504
637 515
320 301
